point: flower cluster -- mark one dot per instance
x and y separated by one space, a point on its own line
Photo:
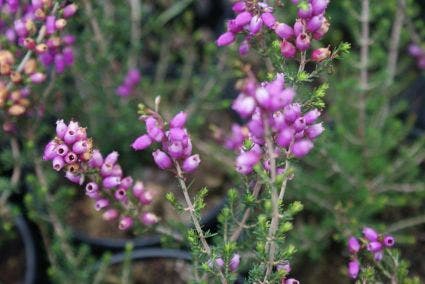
233 263
269 107
31 40
72 151
252 16
372 242
176 143
132 79
418 53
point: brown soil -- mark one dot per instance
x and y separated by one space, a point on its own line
153 271
12 261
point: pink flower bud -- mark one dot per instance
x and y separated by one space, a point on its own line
58 163
243 19
50 25
305 13
292 112
71 158
301 148
125 223
314 23
61 128
319 6
179 120
69 10
244 105
70 136
80 147
226 39
191 163
92 190
244 48
62 150
239 7
50 151
20 28
287 49
268 19
389 241
110 214
219 262
311 116
263 98
96 159
126 182
37 78
370 234
234 262
298 27
111 182
233 28
285 137
303 42
120 194
36 4
378 255
149 219
353 268
68 39
283 99
142 142
101 203
299 124
317 35
374 246
145 197
59 63
138 188
75 178
246 161
162 160
292 281
353 245
284 31
318 55
177 134
314 131
415 50
255 25
112 158
175 149
256 127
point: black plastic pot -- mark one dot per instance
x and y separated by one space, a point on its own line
29 249
209 222
415 95
156 253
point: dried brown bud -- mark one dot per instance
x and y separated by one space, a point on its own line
41 48
40 14
15 96
16 110
24 102
30 67
5 68
6 57
60 24
16 77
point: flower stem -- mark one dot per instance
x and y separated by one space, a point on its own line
270 244
195 220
